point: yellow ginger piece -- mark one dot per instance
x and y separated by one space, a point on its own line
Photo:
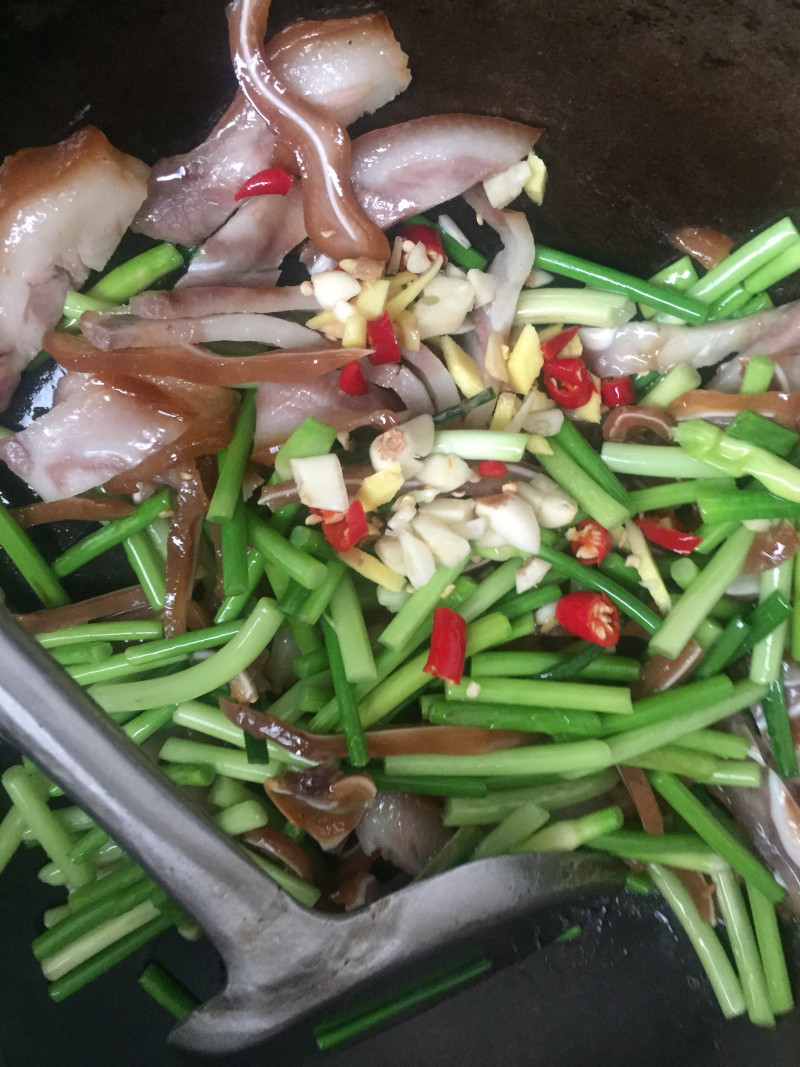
508 404
463 368
380 487
372 569
537 183
525 360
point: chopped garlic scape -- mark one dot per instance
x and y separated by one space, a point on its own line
417 258
545 423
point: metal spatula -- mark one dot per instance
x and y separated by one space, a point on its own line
283 961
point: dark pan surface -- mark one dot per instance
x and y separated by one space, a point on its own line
659 114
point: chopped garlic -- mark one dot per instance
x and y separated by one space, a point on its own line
546 617
443 306
320 482
537 181
447 546
530 574
483 285
513 518
404 445
419 564
331 286
506 186
444 472
552 506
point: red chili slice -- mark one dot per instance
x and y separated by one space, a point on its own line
492 468
381 336
666 536
448 646
590 542
273 180
591 616
554 345
568 382
617 392
352 380
345 533
417 232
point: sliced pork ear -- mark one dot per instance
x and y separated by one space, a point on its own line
282 406
192 363
510 267
638 347
250 247
404 829
347 66
401 170
108 330
223 300
100 429
63 210
312 142
722 407
322 801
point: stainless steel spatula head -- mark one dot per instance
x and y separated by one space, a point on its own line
283 961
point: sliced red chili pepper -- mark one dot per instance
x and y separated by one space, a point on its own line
553 345
345 533
591 616
666 536
417 232
381 336
590 542
616 392
448 646
492 468
273 180
352 380
568 382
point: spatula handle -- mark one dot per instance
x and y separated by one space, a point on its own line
50 718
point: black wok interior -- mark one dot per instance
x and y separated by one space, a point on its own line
659 114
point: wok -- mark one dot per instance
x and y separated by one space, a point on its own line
659 114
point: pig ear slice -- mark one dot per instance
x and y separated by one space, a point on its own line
191 195
416 165
72 201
